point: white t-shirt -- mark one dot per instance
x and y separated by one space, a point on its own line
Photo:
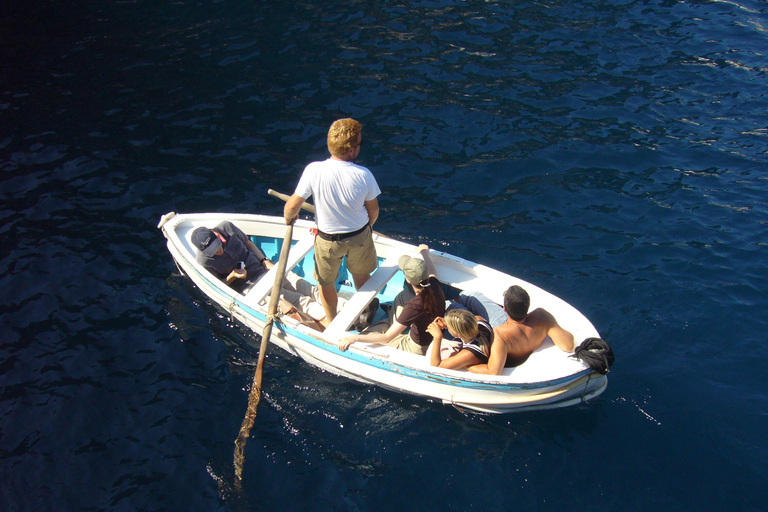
340 190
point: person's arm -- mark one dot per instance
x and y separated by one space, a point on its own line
437 342
292 208
372 207
423 249
560 337
496 360
464 359
374 337
257 252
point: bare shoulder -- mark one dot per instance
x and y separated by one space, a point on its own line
541 316
507 332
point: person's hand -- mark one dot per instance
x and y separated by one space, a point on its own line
344 343
268 263
290 221
238 273
435 330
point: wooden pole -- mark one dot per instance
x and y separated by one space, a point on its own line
255 395
285 197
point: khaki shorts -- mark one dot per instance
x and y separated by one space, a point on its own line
406 344
359 251
400 342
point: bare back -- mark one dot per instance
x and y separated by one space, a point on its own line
522 338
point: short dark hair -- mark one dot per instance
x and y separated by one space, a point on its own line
516 302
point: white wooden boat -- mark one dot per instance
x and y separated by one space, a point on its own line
549 378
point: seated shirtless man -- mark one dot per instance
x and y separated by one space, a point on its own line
521 334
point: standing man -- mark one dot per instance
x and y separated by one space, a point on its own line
345 210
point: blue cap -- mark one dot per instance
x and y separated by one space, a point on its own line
206 241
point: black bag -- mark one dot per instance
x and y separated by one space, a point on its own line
596 354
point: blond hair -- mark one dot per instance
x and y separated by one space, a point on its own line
462 323
342 136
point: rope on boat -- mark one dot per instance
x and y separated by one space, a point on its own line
586 385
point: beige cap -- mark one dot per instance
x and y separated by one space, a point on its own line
415 269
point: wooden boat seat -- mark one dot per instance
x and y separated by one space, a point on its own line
338 328
264 286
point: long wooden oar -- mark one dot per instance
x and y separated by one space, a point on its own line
255 395
285 197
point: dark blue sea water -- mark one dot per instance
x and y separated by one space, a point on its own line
612 152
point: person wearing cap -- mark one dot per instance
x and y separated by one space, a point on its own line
230 255
345 210
415 309
222 249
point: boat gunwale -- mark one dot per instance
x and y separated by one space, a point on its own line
364 356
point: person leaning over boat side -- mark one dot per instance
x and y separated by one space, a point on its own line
521 334
346 209
475 333
222 249
416 309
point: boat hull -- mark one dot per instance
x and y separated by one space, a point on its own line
549 379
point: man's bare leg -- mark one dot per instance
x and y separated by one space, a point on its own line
330 301
360 279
